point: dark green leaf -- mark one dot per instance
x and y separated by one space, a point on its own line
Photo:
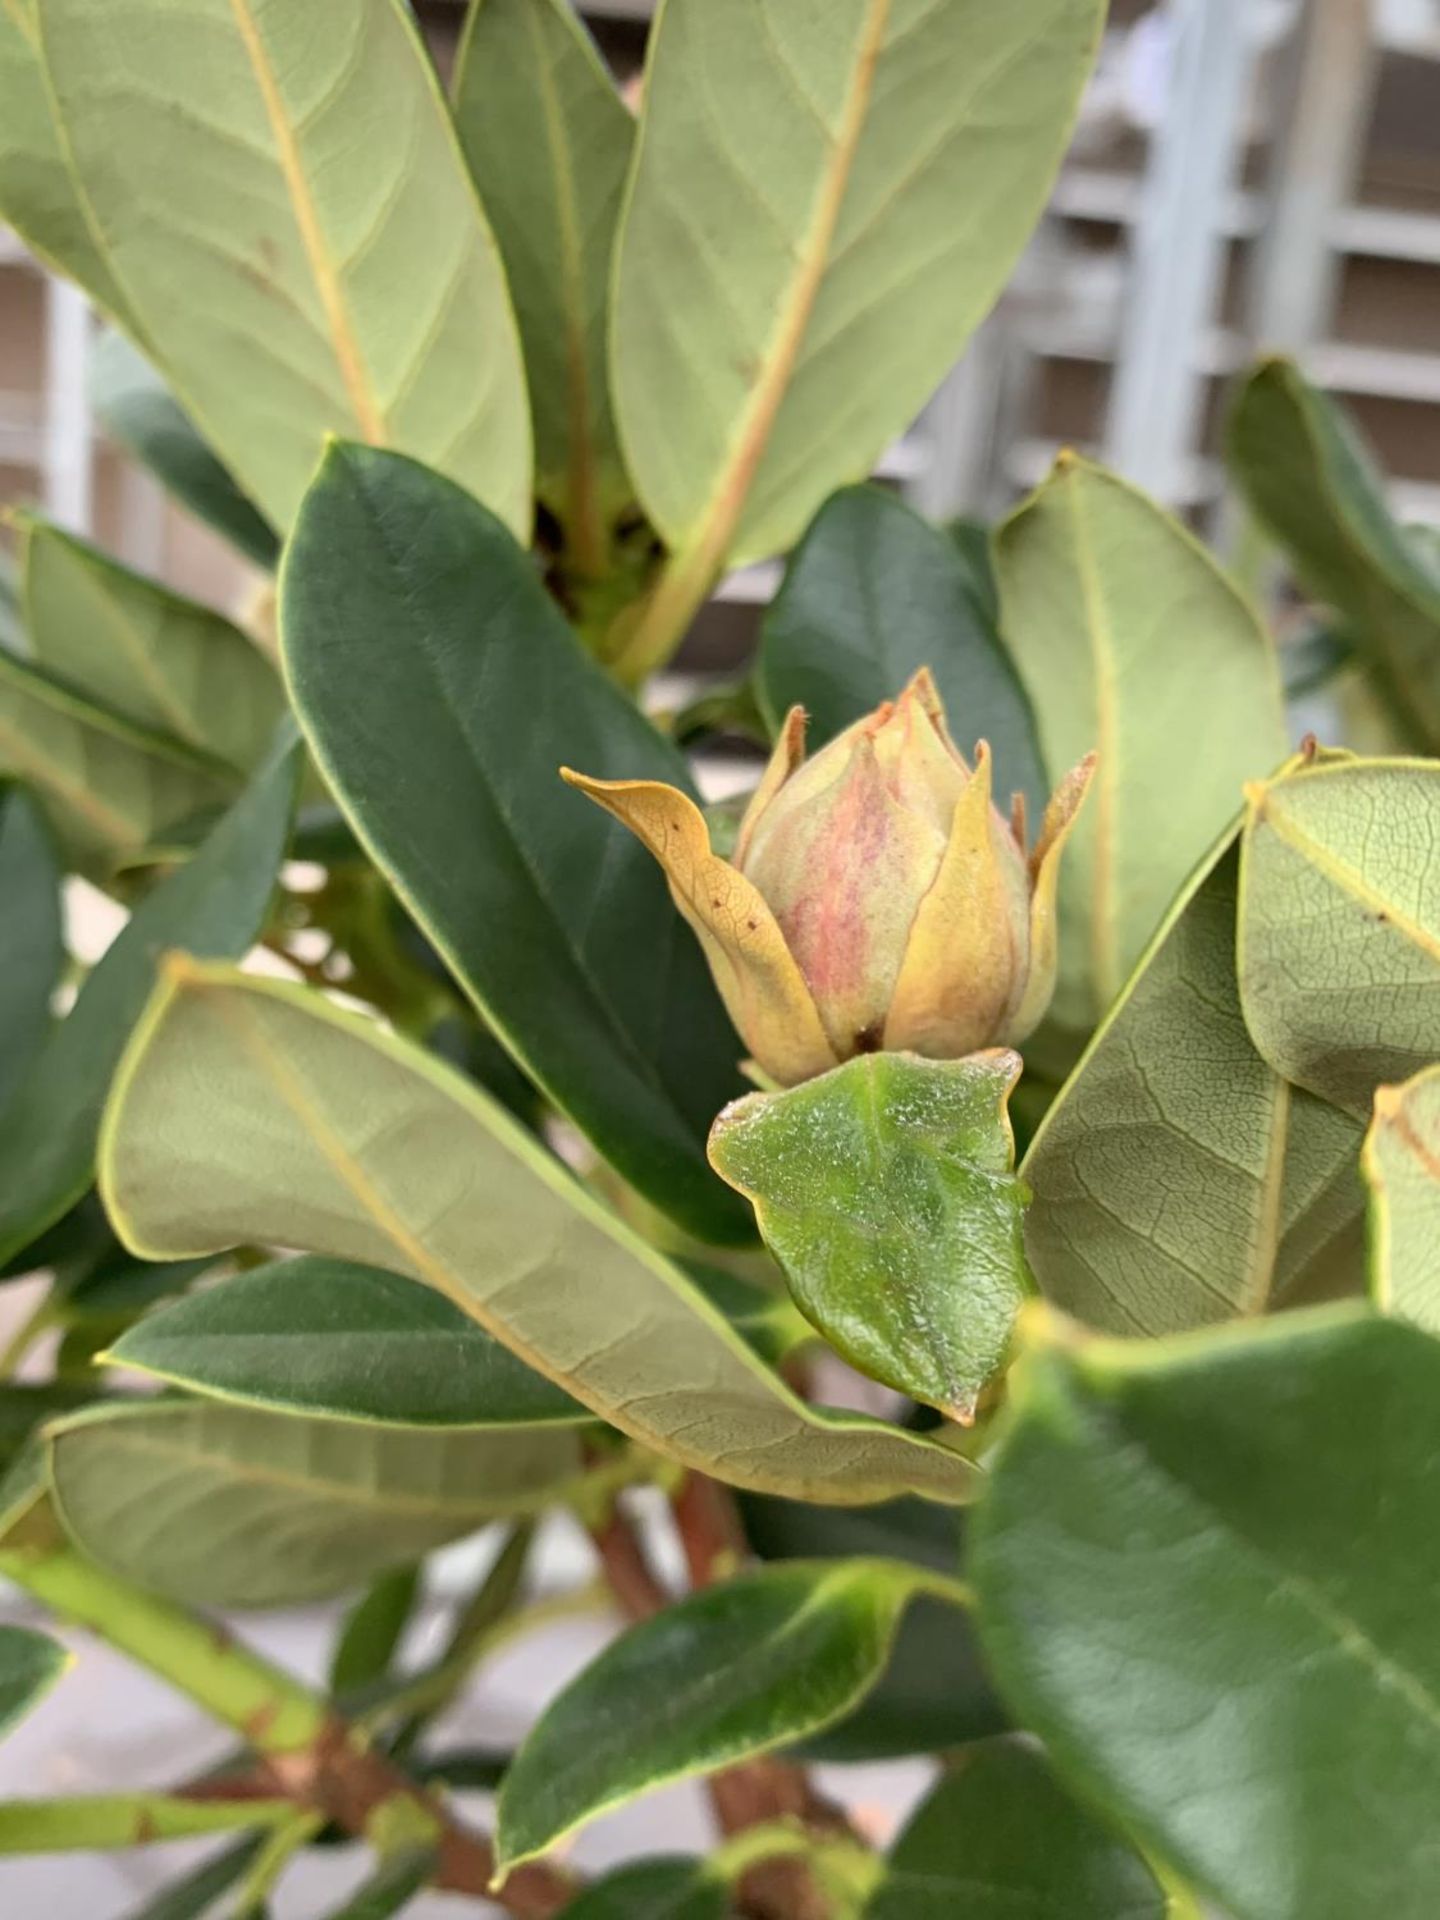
764 1317
873 593
32 935
1339 936
885 1190
1206 1570
351 1342
373 1630
722 1675
139 412
390 1887
193 1897
214 906
219 1505
1178 1179
1000 1839
934 1693
26 1406
1309 477
30 1664
665 1888
441 691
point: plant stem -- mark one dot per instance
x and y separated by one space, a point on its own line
664 617
626 1566
113 1820
316 1759
263 1874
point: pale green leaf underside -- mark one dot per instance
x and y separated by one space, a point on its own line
37 194
825 201
249 1111
1178 1180
1133 644
225 1506
147 654
1340 925
281 197
1402 1167
110 788
549 140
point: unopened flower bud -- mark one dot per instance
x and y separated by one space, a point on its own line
875 899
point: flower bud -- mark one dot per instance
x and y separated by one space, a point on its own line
875 898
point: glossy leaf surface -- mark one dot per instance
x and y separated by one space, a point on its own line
1402 1168
825 202
548 140
1312 482
32 947
872 594
1133 644
140 414
1178 1179
149 655
1000 1839
1339 937
30 1664
355 287
885 1189
441 692
724 1674
664 1888
1188 1586
934 1693
215 906
347 1341
225 1506
248 1110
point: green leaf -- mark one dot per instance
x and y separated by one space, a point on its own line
38 196
373 1630
194 1896
281 197
224 1506
1133 643
416 633
347 1341
110 788
1401 1162
934 1693
389 1888
548 140
1339 940
25 1406
872 593
145 653
32 936
724 1674
30 1664
321 1131
885 1190
764 1317
1215 1606
214 906
669 1887
1178 1179
783 306
1000 1839
1310 479
139 413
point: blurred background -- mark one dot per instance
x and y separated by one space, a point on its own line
1247 175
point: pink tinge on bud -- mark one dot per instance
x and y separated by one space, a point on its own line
876 897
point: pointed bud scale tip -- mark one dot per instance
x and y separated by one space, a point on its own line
875 899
